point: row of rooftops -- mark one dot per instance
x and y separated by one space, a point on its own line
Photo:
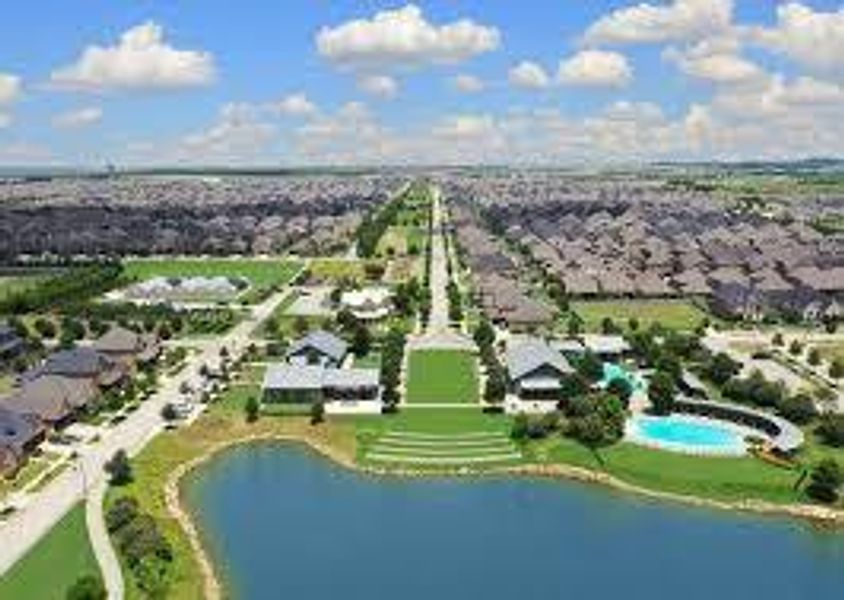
66 382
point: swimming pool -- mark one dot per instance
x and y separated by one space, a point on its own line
692 435
616 371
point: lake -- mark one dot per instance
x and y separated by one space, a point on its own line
282 522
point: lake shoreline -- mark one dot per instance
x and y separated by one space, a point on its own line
213 589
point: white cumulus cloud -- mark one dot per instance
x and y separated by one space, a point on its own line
404 37
295 105
237 134
595 68
649 23
529 75
812 38
380 86
142 59
79 118
715 60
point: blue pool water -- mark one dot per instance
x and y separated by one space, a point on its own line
686 434
616 371
283 523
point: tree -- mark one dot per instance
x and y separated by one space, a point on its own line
590 366
169 412
831 430
252 409
661 391
777 340
608 326
836 369
122 512
621 389
633 323
119 468
575 326
484 334
362 340
87 587
300 325
496 386
814 357
720 368
45 328
800 408
795 348
317 413
825 480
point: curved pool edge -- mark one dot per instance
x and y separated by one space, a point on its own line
213 590
634 435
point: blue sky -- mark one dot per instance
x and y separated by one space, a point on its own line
83 82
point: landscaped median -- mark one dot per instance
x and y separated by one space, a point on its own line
442 377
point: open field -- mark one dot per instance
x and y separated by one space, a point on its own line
17 283
54 564
329 270
830 352
262 274
675 314
442 377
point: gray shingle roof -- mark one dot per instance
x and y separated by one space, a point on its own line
315 377
323 342
527 356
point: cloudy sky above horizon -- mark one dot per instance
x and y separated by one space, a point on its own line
86 82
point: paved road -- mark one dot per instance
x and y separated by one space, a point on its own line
29 524
101 543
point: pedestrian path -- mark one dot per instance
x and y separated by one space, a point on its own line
433 449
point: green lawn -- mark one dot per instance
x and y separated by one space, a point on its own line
442 377
370 361
11 285
262 274
328 270
54 564
675 314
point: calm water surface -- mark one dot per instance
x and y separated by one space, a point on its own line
283 523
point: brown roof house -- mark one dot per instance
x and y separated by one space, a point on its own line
55 400
126 346
20 434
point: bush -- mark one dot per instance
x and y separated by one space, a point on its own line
122 512
317 413
252 409
824 482
831 430
519 429
799 409
87 587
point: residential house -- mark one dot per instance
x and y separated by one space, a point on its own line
340 390
20 435
606 347
738 301
54 399
804 304
81 363
318 348
128 347
369 304
536 372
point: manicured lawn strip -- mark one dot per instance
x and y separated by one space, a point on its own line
261 274
442 377
675 314
224 421
370 361
54 564
17 283
728 479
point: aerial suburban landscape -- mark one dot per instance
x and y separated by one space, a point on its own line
385 363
